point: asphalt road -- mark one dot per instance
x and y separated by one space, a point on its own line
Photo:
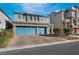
60 49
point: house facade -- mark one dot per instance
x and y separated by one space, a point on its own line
66 18
5 21
32 24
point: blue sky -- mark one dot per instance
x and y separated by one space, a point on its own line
36 8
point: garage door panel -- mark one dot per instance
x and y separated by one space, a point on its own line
41 30
25 31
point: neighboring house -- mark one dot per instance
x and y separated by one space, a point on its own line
32 24
5 21
66 18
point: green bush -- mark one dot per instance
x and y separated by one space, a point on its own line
67 31
5 36
57 31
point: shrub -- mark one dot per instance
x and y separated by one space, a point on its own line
5 36
57 31
2 38
67 31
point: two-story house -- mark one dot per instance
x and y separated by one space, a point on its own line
32 24
66 18
5 21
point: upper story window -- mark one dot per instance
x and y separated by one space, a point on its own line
78 13
47 19
26 17
23 17
42 19
68 24
30 17
0 21
63 23
19 16
35 18
74 22
78 19
73 13
38 18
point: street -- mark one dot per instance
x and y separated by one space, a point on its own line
59 49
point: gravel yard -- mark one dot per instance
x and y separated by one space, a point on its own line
30 40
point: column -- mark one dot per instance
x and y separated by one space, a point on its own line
66 23
48 30
51 29
72 22
14 30
77 16
37 31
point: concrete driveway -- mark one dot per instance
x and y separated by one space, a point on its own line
32 40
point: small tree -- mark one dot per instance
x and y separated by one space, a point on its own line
57 31
67 31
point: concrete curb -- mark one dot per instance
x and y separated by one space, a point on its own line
37 45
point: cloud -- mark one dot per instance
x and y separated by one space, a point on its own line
57 10
35 8
41 8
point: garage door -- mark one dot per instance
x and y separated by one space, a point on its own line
41 30
25 31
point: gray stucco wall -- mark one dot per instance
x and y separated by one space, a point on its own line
56 19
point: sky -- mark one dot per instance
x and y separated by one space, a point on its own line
35 8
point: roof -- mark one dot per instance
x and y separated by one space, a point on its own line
5 14
29 14
63 10
54 13
70 9
75 6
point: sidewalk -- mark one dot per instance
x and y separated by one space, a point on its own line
37 45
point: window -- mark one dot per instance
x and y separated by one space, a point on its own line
0 21
68 24
30 17
74 21
73 14
35 18
23 16
38 18
63 24
78 19
78 13
26 17
19 16
42 19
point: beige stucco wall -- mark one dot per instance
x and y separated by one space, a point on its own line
41 19
3 19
